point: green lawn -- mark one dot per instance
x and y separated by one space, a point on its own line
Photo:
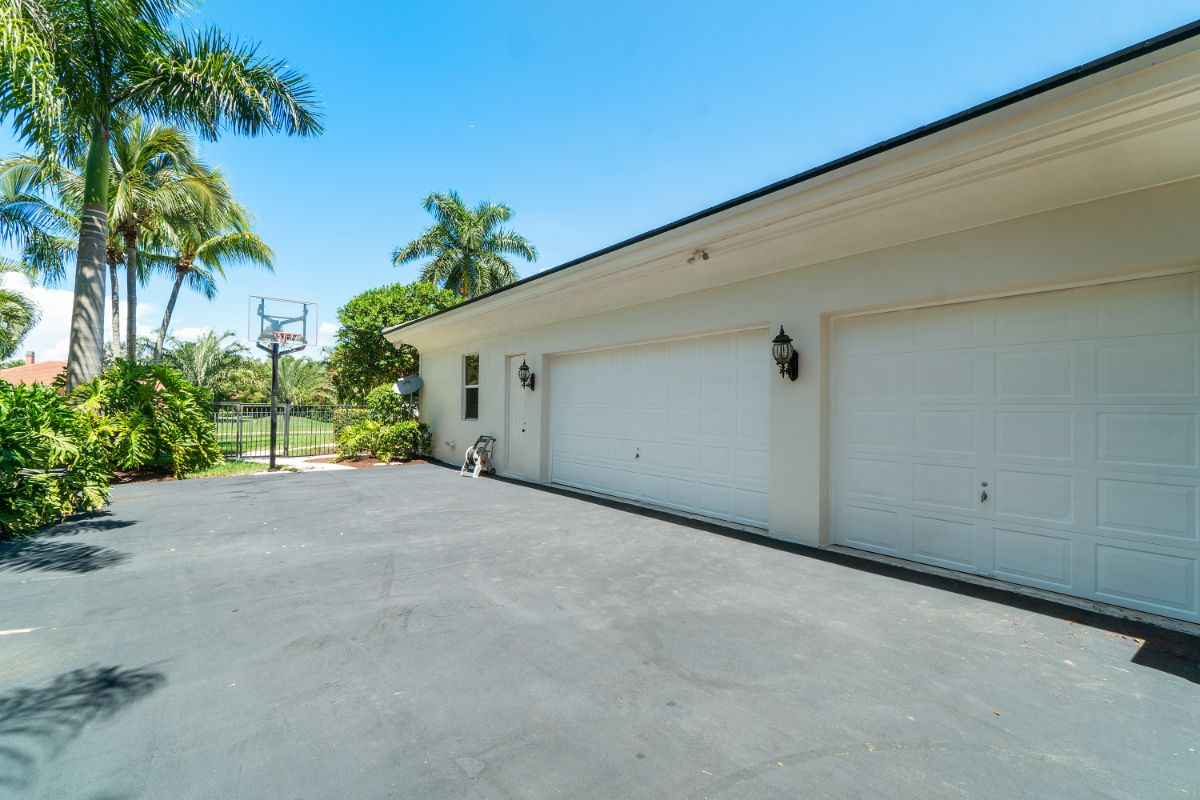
306 435
228 468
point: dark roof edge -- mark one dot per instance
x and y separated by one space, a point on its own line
1164 40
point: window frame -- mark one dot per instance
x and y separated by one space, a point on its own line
467 387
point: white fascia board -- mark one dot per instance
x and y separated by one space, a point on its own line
972 174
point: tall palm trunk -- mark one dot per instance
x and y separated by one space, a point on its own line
131 281
162 332
115 311
85 356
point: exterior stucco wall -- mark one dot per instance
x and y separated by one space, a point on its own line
1139 233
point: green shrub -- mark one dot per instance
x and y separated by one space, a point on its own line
51 465
148 415
344 417
397 441
387 406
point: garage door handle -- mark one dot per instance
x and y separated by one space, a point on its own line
983 494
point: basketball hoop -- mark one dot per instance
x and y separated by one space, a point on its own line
281 337
283 326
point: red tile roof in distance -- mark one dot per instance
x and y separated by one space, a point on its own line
43 372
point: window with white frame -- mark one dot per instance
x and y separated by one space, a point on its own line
471 386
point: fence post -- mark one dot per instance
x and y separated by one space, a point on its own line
238 445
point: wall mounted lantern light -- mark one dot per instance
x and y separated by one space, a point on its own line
785 355
526 376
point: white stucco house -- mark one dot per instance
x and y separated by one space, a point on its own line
997 318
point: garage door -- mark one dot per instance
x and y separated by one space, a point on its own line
1047 439
681 424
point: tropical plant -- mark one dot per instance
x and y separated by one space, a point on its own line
156 179
204 361
199 251
397 441
388 407
344 416
147 415
70 68
387 431
361 357
157 182
301 380
39 215
51 465
466 248
18 314
145 352
247 381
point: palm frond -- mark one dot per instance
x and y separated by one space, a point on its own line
512 244
428 244
211 82
18 314
31 94
238 247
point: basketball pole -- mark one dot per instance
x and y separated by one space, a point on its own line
274 398
271 327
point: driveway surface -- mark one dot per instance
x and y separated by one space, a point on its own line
406 633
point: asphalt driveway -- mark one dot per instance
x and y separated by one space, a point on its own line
406 633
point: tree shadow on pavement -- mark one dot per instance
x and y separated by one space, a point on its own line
38 723
38 555
90 522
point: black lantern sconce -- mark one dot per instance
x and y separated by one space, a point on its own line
526 376
785 355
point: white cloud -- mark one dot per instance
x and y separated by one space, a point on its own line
55 352
50 337
328 328
190 334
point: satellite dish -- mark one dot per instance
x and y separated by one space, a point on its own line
407 385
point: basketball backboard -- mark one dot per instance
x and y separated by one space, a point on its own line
291 324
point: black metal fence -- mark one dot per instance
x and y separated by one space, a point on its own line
244 429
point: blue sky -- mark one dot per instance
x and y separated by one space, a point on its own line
593 121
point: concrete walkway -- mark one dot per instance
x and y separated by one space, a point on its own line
406 633
301 463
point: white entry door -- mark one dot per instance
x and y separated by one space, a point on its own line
680 424
1046 439
517 442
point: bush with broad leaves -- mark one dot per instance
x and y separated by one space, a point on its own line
147 415
52 464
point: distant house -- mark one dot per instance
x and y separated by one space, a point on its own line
997 318
33 371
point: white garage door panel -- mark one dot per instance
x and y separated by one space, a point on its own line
1079 408
681 424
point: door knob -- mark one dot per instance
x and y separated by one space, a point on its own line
983 495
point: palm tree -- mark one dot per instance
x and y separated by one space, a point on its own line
18 314
157 178
203 360
34 219
302 380
466 247
198 251
70 68
157 182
